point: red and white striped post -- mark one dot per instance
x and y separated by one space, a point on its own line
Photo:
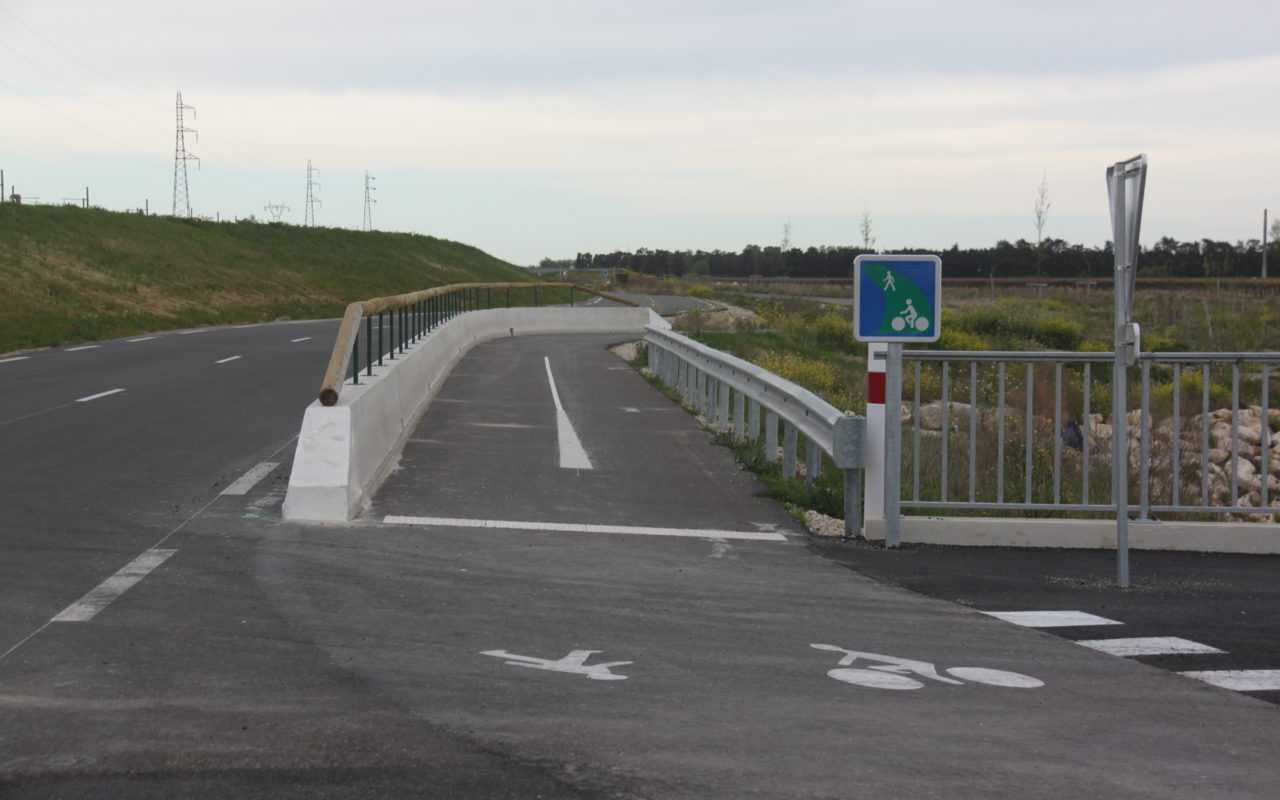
873 483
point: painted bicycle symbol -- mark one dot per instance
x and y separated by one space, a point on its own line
890 672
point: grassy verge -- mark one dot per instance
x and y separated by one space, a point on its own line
73 274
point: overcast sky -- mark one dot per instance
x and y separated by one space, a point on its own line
535 129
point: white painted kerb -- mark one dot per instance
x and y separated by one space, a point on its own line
345 450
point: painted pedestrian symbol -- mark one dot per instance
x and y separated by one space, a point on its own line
901 674
574 663
897 298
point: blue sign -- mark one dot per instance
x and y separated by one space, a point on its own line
897 298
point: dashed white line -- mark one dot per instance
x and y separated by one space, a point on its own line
1240 680
572 454
87 607
1051 619
1148 646
98 395
225 360
245 482
141 339
81 347
15 358
573 527
303 339
197 330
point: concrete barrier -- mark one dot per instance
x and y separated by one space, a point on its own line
1205 537
344 451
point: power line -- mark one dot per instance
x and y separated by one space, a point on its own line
181 195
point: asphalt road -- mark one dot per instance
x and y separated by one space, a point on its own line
503 622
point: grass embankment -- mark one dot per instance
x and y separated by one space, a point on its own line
73 275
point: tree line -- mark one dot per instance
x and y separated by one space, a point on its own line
1054 258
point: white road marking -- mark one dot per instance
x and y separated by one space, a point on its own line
87 607
1148 646
1051 619
81 347
574 664
141 339
99 394
225 360
573 527
1240 680
197 330
251 325
15 358
303 339
247 481
572 456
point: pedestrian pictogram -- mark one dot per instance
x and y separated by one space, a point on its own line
897 298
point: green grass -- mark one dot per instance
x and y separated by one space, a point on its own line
72 275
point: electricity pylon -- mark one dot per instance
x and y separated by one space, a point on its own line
181 195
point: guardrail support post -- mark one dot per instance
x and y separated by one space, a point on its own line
848 452
788 450
739 416
723 416
770 436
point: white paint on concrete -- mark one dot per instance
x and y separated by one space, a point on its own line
225 360
82 347
572 454
1208 537
1149 646
15 358
1240 680
141 339
247 481
574 664
1051 619
98 395
87 607
574 527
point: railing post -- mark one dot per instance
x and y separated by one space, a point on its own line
355 360
788 450
380 347
770 436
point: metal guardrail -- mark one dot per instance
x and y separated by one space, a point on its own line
1018 431
406 318
714 382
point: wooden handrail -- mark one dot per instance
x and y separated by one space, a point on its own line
340 358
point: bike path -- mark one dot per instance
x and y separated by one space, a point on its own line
718 688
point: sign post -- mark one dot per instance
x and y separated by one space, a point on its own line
896 299
1126 183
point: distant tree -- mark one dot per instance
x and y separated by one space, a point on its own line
864 227
1041 213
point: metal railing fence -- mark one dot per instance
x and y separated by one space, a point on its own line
1031 432
392 324
739 397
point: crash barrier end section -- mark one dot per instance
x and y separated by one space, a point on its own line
706 378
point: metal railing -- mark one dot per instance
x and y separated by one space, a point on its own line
732 394
402 320
1030 432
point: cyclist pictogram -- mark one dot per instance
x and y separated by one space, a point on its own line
901 674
